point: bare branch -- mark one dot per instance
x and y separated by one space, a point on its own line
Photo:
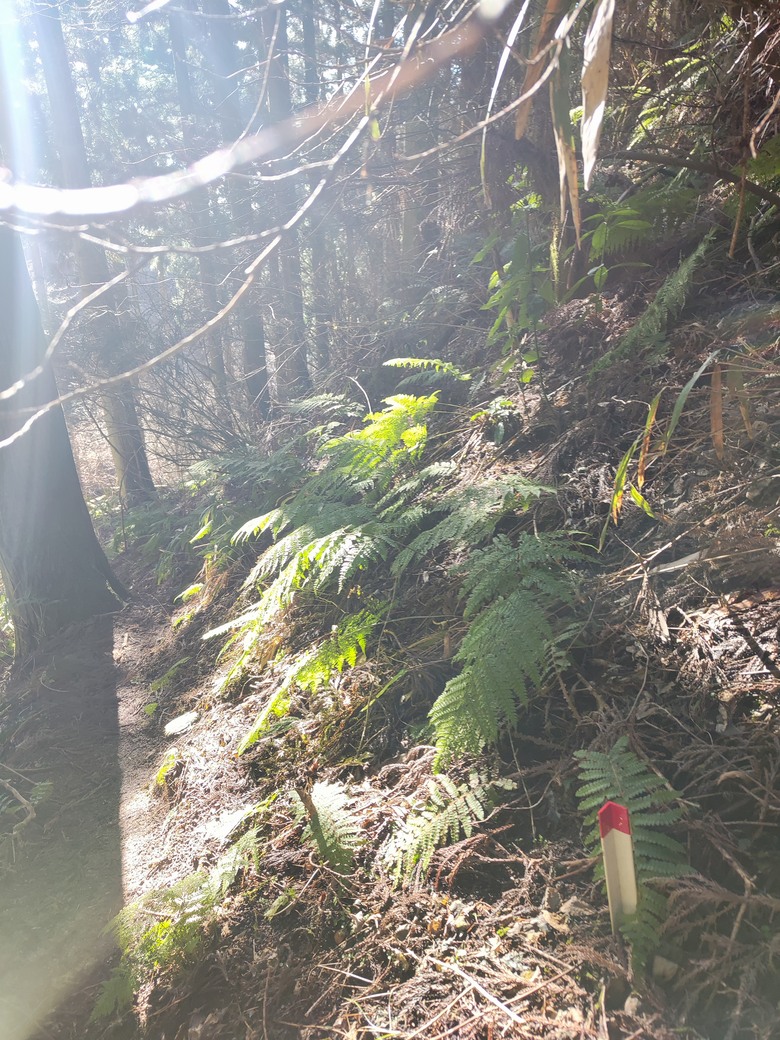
116 199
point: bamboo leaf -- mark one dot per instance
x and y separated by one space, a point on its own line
595 80
564 141
645 450
618 492
620 481
640 500
683 397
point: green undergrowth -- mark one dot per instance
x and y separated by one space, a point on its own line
619 775
164 930
404 590
345 562
382 505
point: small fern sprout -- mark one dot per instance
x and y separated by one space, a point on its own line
333 824
451 810
619 775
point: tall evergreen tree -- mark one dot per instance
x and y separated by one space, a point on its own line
125 435
53 568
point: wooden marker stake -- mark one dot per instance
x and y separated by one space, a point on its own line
618 850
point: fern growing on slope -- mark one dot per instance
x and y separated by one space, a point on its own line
619 775
510 594
652 214
451 810
371 501
650 328
331 529
314 668
164 928
389 438
333 825
472 514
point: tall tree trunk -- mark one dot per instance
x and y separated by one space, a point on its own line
124 432
221 55
322 316
292 374
53 568
197 203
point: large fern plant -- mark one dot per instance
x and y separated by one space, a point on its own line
511 594
374 509
619 775
330 529
369 502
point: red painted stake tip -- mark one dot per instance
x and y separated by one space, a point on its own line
613 817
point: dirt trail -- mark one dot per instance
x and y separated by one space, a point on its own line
80 829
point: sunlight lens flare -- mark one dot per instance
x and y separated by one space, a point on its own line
20 135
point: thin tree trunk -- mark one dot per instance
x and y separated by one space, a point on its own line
204 230
220 52
320 290
292 374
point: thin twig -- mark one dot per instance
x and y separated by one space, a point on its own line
26 805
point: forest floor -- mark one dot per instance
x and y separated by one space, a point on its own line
121 782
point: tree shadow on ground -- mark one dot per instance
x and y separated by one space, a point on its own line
60 841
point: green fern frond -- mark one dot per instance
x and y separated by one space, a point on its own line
313 669
398 498
502 655
765 167
397 433
540 562
649 331
116 994
434 365
161 930
451 810
254 528
276 707
472 515
619 775
617 231
333 826
242 854
320 521
653 214
345 552
511 593
342 648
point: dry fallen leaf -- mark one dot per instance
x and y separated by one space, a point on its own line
595 79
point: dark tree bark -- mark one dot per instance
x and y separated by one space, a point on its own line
54 570
125 436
